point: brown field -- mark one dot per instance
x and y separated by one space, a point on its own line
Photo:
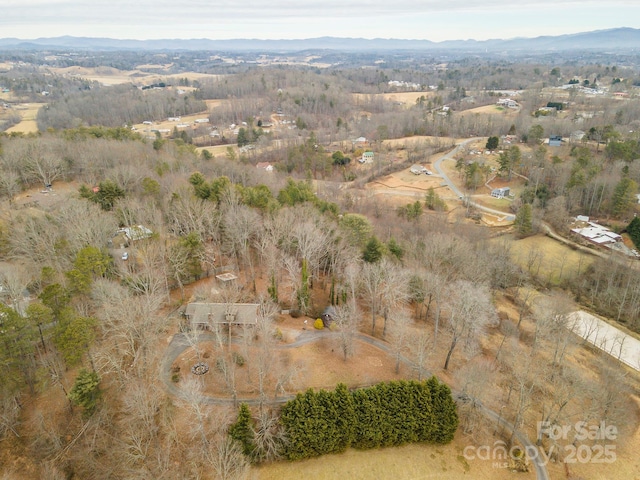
29 113
491 110
550 260
418 140
408 99
113 76
409 462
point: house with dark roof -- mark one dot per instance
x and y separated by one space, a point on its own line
555 141
206 316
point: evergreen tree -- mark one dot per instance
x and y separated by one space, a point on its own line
85 392
433 201
242 430
73 335
345 416
444 412
90 263
17 356
373 251
492 143
395 248
524 220
243 137
633 229
623 196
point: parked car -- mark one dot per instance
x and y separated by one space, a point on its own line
125 256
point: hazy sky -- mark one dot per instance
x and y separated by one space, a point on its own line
435 20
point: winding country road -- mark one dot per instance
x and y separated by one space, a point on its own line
179 343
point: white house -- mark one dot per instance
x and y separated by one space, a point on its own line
597 234
500 192
507 102
418 169
367 157
265 166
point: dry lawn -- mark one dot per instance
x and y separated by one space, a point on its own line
319 365
548 259
491 110
29 113
113 76
409 462
407 99
418 141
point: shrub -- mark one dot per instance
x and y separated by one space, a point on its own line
318 324
238 359
277 334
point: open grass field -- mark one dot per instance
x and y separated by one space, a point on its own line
407 99
491 110
29 113
548 259
418 141
113 76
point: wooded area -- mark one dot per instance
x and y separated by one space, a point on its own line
83 328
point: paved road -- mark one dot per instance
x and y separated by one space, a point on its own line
606 337
437 165
179 344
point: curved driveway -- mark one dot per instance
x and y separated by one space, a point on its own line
437 165
179 344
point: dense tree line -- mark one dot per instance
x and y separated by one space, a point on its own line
387 414
115 106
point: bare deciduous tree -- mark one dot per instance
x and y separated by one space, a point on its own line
346 322
399 334
470 311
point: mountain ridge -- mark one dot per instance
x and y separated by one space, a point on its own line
618 38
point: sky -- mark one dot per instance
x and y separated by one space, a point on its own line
435 20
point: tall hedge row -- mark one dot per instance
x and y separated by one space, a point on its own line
386 414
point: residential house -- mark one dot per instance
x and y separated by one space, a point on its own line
501 192
367 157
265 166
418 169
597 234
207 316
555 141
126 235
507 102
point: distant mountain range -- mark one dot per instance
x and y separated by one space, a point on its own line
608 40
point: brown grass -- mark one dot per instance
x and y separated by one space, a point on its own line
556 262
29 113
408 99
409 462
491 110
